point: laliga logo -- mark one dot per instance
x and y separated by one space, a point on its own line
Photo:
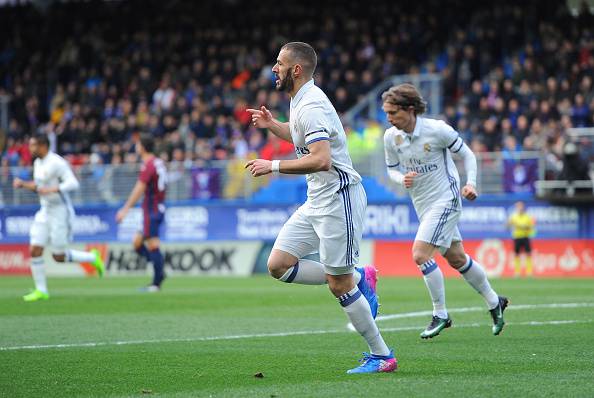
491 254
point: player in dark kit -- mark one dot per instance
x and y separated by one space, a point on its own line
152 182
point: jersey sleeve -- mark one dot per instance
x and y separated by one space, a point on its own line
449 138
68 181
314 125
392 160
146 173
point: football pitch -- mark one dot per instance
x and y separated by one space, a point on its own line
215 336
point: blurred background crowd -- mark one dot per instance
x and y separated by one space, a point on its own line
516 75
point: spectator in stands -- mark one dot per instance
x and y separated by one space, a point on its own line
275 148
575 168
533 68
510 147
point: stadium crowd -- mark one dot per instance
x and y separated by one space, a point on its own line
516 74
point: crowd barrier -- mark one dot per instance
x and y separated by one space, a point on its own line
235 239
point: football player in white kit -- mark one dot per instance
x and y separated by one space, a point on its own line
53 179
421 147
331 220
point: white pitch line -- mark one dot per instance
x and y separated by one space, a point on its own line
481 309
476 325
181 340
258 335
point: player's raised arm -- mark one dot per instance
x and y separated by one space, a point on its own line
398 177
30 185
68 181
262 118
392 164
66 178
318 159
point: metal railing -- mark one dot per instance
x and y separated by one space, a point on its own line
100 184
228 179
569 188
4 103
368 108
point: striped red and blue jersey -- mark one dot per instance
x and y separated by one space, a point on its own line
154 174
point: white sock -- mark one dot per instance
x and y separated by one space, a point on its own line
78 256
476 277
359 313
305 272
356 277
38 272
434 281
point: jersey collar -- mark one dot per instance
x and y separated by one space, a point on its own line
302 91
417 131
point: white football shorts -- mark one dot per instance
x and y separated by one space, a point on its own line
439 227
334 231
52 226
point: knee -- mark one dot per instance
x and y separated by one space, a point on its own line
420 258
277 269
336 290
457 260
137 242
36 251
59 257
340 285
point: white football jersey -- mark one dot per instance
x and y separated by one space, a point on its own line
427 152
313 118
53 170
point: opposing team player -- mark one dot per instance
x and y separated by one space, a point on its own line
331 220
53 180
421 148
152 182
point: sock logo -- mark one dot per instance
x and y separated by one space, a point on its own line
428 267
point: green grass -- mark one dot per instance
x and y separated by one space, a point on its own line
526 360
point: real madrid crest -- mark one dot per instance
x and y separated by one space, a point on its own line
399 140
427 147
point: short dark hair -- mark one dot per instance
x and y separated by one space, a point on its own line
147 142
303 54
41 139
405 95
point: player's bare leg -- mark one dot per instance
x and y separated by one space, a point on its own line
139 247
288 268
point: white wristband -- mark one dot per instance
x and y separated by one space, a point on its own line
275 166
